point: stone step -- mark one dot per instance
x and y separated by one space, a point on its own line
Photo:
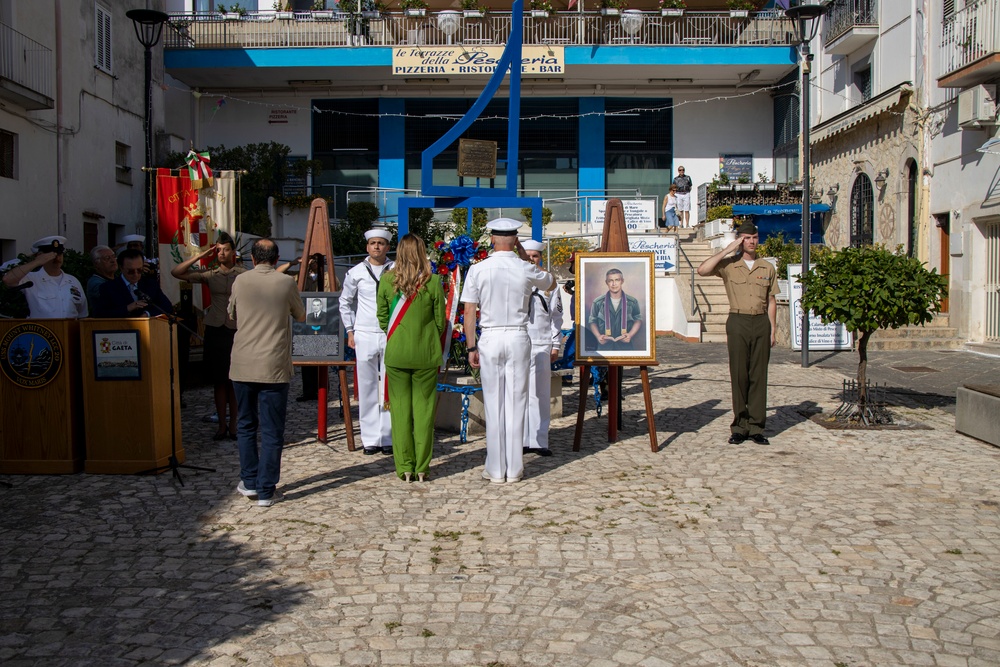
707 337
925 333
915 344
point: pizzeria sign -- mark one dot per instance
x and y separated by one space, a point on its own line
463 60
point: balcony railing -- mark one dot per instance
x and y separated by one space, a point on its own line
968 35
28 65
846 14
264 30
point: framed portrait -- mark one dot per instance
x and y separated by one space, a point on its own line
615 307
116 355
319 338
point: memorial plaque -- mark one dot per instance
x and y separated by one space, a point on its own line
319 338
477 158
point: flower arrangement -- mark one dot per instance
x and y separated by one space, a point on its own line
446 257
541 5
672 4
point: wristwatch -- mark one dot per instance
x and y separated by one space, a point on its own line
472 349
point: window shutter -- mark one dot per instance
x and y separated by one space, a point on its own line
102 40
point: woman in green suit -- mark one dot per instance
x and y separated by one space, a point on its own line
410 304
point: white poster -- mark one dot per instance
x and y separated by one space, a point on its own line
821 336
664 248
640 215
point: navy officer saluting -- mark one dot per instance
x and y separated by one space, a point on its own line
53 294
751 284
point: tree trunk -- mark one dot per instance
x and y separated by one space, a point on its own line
862 369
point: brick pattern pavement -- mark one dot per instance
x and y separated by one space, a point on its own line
827 548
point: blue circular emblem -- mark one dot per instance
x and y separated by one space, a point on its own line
30 355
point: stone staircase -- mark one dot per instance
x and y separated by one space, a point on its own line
712 307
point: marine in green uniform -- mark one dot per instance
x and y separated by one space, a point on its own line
751 285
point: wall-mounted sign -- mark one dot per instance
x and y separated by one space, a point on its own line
664 249
477 158
456 60
736 166
640 215
280 116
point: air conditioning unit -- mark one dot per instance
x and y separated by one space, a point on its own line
977 107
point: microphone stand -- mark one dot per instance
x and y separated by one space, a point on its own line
173 464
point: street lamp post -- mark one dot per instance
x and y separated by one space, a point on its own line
148 24
806 17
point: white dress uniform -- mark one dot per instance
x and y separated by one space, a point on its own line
501 285
358 314
545 316
54 297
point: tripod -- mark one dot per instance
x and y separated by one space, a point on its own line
173 464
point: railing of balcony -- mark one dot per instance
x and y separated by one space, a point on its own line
303 29
25 62
968 35
846 14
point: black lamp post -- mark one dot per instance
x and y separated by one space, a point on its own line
806 17
148 24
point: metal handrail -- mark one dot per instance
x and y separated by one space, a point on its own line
25 62
331 28
694 303
846 14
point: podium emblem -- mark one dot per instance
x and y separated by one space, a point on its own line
30 355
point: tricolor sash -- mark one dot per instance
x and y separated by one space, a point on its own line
399 308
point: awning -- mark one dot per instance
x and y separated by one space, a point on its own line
785 219
778 209
859 114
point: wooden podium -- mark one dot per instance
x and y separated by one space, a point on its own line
40 420
127 396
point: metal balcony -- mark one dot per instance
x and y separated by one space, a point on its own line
969 53
26 70
849 25
326 29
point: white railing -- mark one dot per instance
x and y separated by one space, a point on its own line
303 29
25 62
968 35
846 14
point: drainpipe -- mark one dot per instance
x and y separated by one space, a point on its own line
60 212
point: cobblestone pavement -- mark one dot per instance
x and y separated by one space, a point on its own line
835 548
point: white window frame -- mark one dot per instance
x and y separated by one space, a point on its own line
102 39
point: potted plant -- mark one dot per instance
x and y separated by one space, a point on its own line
283 10
372 9
613 7
540 9
765 185
471 9
672 7
740 8
319 10
234 13
743 184
414 7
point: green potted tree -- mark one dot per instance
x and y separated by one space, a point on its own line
673 8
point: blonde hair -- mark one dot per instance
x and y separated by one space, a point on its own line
411 269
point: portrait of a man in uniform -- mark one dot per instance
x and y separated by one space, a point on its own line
615 305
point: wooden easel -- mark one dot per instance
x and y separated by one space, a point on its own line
318 242
614 239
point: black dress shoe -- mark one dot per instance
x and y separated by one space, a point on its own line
760 439
387 450
737 439
370 451
544 452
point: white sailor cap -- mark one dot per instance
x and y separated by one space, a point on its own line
9 264
503 226
49 243
378 234
134 237
531 244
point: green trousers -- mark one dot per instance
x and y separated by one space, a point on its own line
748 338
412 400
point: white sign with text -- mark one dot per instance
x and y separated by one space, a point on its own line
664 249
640 214
821 336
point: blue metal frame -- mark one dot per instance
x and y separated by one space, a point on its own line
449 196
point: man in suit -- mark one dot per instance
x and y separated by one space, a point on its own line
317 314
132 294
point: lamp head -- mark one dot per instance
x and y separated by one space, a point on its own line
148 24
803 14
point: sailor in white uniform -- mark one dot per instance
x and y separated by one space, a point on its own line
501 286
53 293
545 316
365 336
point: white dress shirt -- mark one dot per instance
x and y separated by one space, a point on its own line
545 323
357 297
54 297
501 285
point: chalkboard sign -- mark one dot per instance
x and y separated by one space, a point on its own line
736 166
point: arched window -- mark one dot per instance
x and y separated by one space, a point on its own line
862 212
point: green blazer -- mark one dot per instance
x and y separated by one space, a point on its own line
416 343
